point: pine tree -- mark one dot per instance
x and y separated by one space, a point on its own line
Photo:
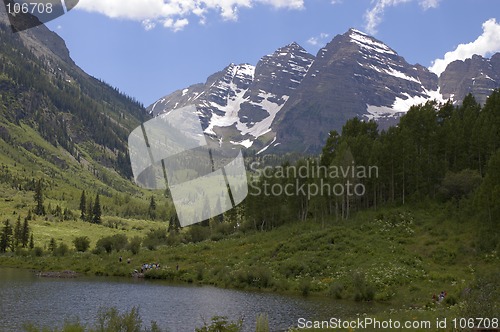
90 212
25 234
6 236
152 208
39 209
96 218
83 205
17 240
32 242
52 244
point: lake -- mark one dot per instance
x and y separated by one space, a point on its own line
48 302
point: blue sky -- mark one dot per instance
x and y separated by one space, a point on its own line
149 48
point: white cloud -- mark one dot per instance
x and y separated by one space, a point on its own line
428 4
486 44
317 40
374 16
148 25
174 14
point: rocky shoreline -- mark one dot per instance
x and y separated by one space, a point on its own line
57 274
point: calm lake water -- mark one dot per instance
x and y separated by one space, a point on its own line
49 302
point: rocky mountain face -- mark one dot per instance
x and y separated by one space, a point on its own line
477 75
291 99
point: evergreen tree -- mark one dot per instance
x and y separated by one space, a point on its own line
174 223
32 242
52 245
96 215
90 212
39 209
83 205
25 234
6 236
17 239
152 208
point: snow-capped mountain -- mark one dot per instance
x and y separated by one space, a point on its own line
240 103
291 99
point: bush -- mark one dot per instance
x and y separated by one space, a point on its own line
38 252
336 290
221 324
81 243
109 243
262 323
197 233
305 286
155 237
135 245
363 291
61 250
108 320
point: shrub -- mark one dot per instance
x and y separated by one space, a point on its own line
155 237
82 243
197 233
221 324
109 243
336 290
305 286
112 320
363 291
135 245
61 250
262 324
38 252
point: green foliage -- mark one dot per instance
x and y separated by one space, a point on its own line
221 324
305 286
96 211
108 320
198 233
363 290
109 243
155 237
461 184
83 205
38 252
6 241
38 197
82 243
262 324
32 241
481 300
52 245
152 208
336 290
135 245
61 250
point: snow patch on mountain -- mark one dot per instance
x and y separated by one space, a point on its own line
271 107
401 105
369 43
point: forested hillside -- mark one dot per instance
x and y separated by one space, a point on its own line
63 131
438 153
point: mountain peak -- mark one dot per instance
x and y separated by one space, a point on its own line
367 42
291 48
356 31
